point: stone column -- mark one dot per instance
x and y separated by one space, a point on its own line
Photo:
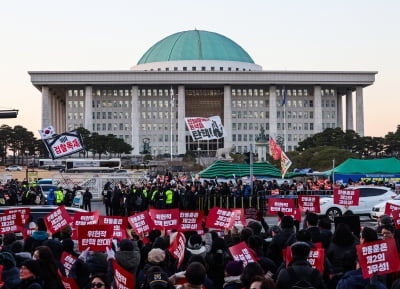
181 120
88 121
273 120
339 111
317 109
359 111
349 110
46 107
227 116
135 120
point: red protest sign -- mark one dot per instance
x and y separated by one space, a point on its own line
177 248
191 220
240 217
69 283
391 208
83 219
165 219
141 223
378 258
346 197
24 213
242 252
97 237
285 206
67 260
220 218
119 224
11 222
57 219
309 203
315 258
122 278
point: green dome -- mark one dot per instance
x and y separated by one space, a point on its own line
195 45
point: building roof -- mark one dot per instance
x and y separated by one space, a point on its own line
195 45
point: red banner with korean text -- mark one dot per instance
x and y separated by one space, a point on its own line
219 218
83 219
315 258
24 213
242 252
346 197
378 257
68 283
97 237
141 223
191 220
309 203
240 217
119 225
123 279
286 206
57 219
274 149
391 209
67 260
165 219
10 223
177 248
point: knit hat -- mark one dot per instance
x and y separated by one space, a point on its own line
32 266
195 245
287 222
300 250
157 280
126 245
156 256
234 268
386 220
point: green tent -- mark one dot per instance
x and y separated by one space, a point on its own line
222 169
372 170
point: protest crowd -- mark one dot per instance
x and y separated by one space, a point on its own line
166 241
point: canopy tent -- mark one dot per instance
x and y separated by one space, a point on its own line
376 170
222 169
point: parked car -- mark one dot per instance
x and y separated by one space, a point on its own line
13 168
369 196
379 209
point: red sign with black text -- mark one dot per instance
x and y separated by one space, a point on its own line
309 203
378 257
242 252
285 206
191 220
97 237
165 219
346 197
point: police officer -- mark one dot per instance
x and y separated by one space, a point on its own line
59 196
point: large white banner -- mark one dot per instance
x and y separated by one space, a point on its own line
205 128
64 144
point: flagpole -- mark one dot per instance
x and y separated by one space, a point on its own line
171 105
284 120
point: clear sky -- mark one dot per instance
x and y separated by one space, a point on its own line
341 35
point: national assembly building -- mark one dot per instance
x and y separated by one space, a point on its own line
201 74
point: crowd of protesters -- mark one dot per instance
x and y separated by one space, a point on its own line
35 262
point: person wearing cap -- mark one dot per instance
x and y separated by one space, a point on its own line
233 270
299 269
155 257
10 273
156 278
29 275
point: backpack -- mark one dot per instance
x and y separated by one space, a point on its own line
302 283
139 199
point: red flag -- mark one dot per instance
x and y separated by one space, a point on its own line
274 149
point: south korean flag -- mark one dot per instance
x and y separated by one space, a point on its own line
47 132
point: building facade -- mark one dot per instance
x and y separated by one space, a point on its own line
201 74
